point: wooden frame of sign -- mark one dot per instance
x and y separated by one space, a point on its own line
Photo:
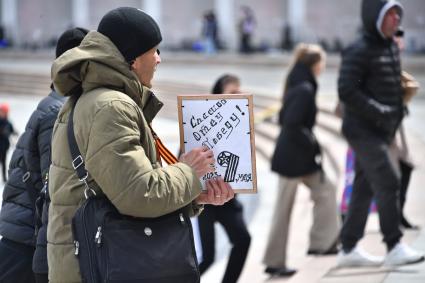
225 124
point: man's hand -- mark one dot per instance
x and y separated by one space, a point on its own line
201 159
218 193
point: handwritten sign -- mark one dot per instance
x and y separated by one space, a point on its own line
224 124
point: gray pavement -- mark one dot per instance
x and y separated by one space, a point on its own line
267 79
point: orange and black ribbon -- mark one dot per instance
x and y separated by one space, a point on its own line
162 151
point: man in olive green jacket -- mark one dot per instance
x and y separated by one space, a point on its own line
113 68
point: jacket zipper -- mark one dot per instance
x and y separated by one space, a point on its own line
99 244
76 247
98 237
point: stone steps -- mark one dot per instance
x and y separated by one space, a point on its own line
265 107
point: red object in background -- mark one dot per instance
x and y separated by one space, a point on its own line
4 107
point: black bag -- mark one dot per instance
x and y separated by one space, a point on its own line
115 248
112 247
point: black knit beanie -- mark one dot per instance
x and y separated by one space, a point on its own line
69 39
131 30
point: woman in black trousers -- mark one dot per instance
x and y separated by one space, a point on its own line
229 215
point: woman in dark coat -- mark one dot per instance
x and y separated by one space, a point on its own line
297 159
229 215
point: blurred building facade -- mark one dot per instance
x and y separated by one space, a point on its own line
37 23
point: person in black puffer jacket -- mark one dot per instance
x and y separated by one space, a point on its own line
28 169
297 159
369 85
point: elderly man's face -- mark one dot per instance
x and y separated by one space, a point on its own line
145 65
390 23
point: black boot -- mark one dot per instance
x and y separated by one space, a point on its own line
280 272
406 224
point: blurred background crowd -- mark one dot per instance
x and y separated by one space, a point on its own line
208 25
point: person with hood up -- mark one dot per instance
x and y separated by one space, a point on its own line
110 74
369 85
23 256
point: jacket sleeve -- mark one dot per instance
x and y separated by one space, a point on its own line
44 139
118 163
301 104
295 114
350 87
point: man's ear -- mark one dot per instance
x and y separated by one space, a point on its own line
131 65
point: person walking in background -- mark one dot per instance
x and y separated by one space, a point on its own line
297 159
68 40
410 87
6 130
373 110
210 33
405 167
229 215
246 29
399 148
29 167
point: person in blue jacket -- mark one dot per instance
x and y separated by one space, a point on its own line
22 243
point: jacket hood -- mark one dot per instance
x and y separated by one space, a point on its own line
373 12
98 63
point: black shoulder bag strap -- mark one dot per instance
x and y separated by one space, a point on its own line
77 159
32 193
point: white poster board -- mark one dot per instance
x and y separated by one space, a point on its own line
224 124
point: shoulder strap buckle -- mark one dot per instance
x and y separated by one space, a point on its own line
26 176
77 162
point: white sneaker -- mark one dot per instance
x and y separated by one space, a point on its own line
403 254
356 258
